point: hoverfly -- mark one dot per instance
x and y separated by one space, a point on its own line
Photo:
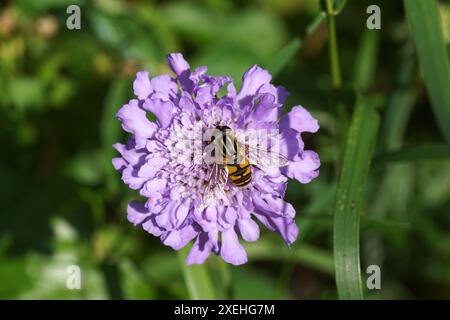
237 160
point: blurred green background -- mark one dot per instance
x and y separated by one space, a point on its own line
61 202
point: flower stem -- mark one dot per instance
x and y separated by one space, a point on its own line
225 275
333 46
196 278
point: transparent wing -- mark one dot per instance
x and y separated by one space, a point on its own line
265 159
217 180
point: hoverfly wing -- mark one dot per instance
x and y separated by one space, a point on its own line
217 180
266 159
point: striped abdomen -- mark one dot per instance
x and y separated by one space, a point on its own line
239 169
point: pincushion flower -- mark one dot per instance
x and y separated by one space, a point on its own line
155 159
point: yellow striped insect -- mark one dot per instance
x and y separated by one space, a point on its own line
235 163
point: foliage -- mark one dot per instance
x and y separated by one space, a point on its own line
61 202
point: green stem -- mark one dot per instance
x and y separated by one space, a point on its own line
225 275
196 278
333 46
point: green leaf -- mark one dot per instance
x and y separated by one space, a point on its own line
283 57
26 92
135 286
400 102
110 130
366 60
338 6
197 279
314 25
252 283
306 255
349 199
426 29
417 153
125 35
238 30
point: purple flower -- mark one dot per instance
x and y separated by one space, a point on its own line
155 160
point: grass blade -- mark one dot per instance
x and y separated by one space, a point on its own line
196 278
400 102
283 57
425 24
366 60
349 197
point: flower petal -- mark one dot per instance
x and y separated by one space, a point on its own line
253 79
177 239
300 120
200 250
141 85
181 68
304 168
153 188
129 153
182 212
279 93
151 167
231 250
285 226
249 229
178 64
163 110
130 177
290 143
273 204
266 110
137 212
119 163
164 87
134 120
152 227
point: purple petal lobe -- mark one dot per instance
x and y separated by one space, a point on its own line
177 63
129 176
141 85
119 163
137 212
266 110
285 226
181 68
163 110
304 168
129 153
300 120
164 87
134 120
200 250
279 93
154 188
177 239
231 250
253 79
290 143
151 227
152 167
249 230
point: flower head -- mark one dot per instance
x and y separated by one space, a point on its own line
160 159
